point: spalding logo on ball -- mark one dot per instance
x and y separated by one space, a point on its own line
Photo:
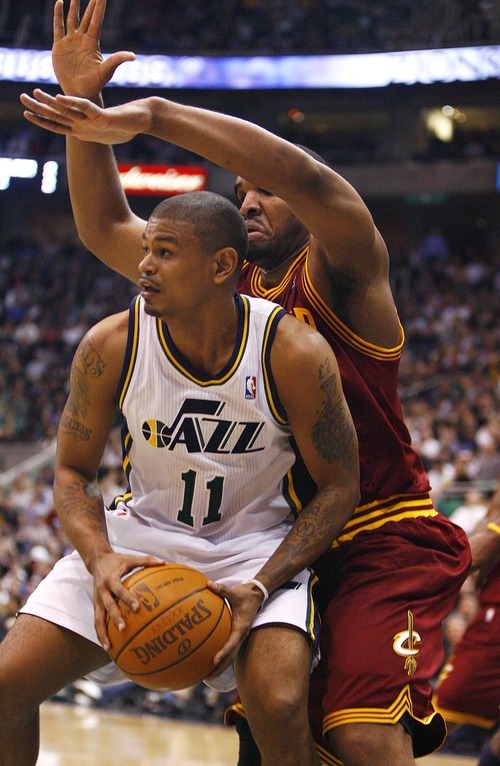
170 642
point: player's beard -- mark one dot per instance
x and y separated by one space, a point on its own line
278 248
262 255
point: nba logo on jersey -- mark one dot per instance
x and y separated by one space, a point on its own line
250 387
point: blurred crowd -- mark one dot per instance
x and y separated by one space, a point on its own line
268 26
51 294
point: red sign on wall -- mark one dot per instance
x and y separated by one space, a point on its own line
161 180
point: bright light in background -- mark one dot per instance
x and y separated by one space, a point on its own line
49 177
454 113
16 168
295 115
20 167
439 124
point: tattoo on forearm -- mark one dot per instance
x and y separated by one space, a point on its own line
306 538
83 501
74 428
332 433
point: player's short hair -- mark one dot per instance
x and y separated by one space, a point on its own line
217 222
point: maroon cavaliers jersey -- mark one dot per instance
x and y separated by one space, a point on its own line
394 484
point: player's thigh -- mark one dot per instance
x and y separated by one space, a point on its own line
273 668
38 658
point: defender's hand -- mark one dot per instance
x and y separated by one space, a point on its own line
82 119
76 55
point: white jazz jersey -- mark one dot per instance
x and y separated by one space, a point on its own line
212 471
207 456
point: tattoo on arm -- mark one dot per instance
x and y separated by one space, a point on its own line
311 527
74 428
88 363
82 501
331 434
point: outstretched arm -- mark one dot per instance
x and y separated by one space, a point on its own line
324 201
105 223
81 439
345 241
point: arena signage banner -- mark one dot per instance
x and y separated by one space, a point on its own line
366 70
161 180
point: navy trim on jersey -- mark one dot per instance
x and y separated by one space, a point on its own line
208 379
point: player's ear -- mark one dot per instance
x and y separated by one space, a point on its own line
225 264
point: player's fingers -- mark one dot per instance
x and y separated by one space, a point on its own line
96 19
58 21
43 122
227 654
130 565
64 118
219 670
100 623
73 16
87 17
79 108
111 64
34 104
49 106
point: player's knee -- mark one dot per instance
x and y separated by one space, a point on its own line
280 705
367 744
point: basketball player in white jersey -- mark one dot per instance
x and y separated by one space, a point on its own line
218 394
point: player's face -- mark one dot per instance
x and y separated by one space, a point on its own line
174 271
274 232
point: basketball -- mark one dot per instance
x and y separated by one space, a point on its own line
170 642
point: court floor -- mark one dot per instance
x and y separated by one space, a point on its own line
78 736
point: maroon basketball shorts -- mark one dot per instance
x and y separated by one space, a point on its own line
381 634
469 685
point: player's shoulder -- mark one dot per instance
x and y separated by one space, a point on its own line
291 336
260 306
298 341
109 336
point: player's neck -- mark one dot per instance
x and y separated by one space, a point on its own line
207 340
271 277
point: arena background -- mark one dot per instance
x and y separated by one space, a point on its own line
423 152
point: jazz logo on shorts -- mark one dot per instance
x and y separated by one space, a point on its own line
250 387
405 643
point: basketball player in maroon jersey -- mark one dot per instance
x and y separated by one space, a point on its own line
394 573
469 684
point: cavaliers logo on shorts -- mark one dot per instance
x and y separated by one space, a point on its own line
405 643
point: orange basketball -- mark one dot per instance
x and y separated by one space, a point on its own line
170 642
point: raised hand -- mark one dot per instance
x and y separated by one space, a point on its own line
82 119
76 54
